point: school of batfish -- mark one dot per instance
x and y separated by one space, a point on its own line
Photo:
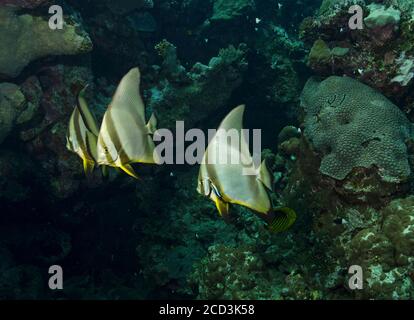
125 138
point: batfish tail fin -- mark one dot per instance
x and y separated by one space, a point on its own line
283 218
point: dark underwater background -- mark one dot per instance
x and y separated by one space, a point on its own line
346 168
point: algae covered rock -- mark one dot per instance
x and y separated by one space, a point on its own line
27 4
399 228
14 168
12 103
25 38
379 55
380 16
234 273
126 6
386 252
330 8
196 93
229 9
353 126
319 53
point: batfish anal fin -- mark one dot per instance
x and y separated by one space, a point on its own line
129 170
222 206
105 172
88 167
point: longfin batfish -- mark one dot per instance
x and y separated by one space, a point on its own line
125 137
82 134
236 182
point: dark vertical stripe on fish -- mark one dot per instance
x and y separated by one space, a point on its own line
70 133
113 135
88 148
78 132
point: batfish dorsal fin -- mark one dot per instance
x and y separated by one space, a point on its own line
127 95
124 135
234 120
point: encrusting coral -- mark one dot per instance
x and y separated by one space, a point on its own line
352 125
28 38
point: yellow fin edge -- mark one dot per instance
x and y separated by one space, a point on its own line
88 167
222 207
284 218
129 170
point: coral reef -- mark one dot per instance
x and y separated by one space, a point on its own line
377 55
358 219
195 94
341 153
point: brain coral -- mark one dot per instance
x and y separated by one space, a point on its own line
351 125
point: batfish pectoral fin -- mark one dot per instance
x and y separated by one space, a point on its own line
282 219
222 206
129 170
88 167
152 124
